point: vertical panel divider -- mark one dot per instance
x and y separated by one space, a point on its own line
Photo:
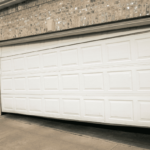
0 84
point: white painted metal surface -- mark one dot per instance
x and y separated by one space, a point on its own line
99 81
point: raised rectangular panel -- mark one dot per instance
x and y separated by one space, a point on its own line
93 81
94 108
35 46
119 51
19 63
69 57
49 59
7 84
8 102
91 54
20 49
7 51
52 105
33 61
34 83
144 79
51 82
6 65
143 48
120 80
70 82
121 109
71 106
35 104
21 103
144 110
20 83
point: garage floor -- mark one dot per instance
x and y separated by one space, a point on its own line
18 132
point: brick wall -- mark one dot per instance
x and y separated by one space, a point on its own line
40 16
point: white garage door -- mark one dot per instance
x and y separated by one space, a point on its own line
99 81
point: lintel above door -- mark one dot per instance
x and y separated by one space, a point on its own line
8 3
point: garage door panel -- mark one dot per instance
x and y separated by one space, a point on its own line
34 46
34 83
7 51
21 103
7 84
120 81
49 59
6 64
20 49
51 82
52 105
119 51
70 82
143 48
144 110
33 61
35 105
94 108
93 81
143 80
71 107
120 110
19 63
7 103
20 83
91 54
69 57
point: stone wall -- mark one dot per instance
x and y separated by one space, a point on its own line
2 1
34 17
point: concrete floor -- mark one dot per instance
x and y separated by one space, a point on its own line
19 132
